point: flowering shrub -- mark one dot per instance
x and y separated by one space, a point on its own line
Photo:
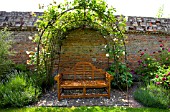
147 68
155 67
163 77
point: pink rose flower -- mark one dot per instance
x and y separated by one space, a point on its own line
164 78
169 73
161 45
169 50
157 76
142 53
158 83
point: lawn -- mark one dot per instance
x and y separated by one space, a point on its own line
83 109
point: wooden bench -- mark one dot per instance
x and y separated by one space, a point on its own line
83 76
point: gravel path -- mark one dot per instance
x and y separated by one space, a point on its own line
118 98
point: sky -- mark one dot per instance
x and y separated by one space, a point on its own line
145 8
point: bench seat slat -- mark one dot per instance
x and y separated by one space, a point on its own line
86 83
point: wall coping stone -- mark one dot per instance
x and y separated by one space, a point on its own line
24 21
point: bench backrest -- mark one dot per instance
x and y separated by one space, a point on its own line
85 71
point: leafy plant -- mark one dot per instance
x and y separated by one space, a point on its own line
123 78
18 91
21 68
39 79
153 96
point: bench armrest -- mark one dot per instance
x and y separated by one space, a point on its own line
58 78
109 77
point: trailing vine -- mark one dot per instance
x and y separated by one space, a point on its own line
59 19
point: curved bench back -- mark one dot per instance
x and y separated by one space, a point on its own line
84 71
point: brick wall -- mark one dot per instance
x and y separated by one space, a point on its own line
148 43
83 45
79 46
86 45
21 44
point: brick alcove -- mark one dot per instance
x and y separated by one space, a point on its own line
83 45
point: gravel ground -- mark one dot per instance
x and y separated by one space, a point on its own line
118 98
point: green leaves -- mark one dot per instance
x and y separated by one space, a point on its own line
122 76
18 91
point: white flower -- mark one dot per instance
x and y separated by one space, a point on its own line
123 52
30 37
27 52
107 55
105 46
30 56
115 39
36 48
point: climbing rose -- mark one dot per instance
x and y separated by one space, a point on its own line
158 83
139 62
169 50
164 78
142 53
161 45
157 76
169 73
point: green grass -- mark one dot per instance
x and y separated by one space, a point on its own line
83 109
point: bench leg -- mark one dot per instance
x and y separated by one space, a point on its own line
59 92
84 91
109 92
